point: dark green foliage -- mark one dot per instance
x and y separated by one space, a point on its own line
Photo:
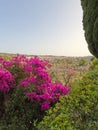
19 112
82 62
90 24
78 110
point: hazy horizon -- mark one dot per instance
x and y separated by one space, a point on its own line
42 27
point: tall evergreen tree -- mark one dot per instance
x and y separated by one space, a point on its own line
90 24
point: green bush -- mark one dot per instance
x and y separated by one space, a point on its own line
78 110
19 112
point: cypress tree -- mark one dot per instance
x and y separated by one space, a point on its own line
90 24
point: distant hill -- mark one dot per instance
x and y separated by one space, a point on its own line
50 57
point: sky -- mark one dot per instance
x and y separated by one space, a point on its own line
42 27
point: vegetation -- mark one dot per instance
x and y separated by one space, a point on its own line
68 69
31 99
26 92
90 23
79 109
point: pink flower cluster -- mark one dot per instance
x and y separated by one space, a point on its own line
6 80
47 94
32 74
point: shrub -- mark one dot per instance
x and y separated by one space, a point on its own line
26 91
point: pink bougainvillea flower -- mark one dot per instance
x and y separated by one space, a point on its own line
45 105
6 80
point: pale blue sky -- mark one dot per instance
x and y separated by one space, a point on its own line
42 27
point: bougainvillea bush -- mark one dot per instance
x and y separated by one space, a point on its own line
26 92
